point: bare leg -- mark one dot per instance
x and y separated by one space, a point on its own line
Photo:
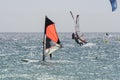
50 56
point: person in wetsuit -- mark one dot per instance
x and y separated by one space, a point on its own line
77 39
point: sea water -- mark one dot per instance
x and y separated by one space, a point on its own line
100 61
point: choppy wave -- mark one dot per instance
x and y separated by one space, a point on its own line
21 58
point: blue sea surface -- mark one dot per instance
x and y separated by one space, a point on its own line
100 61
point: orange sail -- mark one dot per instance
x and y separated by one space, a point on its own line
51 40
50 31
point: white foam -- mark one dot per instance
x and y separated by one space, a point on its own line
60 61
29 60
89 45
14 75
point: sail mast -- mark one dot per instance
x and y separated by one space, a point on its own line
44 48
76 22
73 19
44 41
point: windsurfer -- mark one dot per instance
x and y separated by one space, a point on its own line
106 37
78 39
107 34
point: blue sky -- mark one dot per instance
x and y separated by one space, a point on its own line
29 15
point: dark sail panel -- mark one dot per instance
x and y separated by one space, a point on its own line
48 44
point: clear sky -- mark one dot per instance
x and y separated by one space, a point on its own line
29 15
